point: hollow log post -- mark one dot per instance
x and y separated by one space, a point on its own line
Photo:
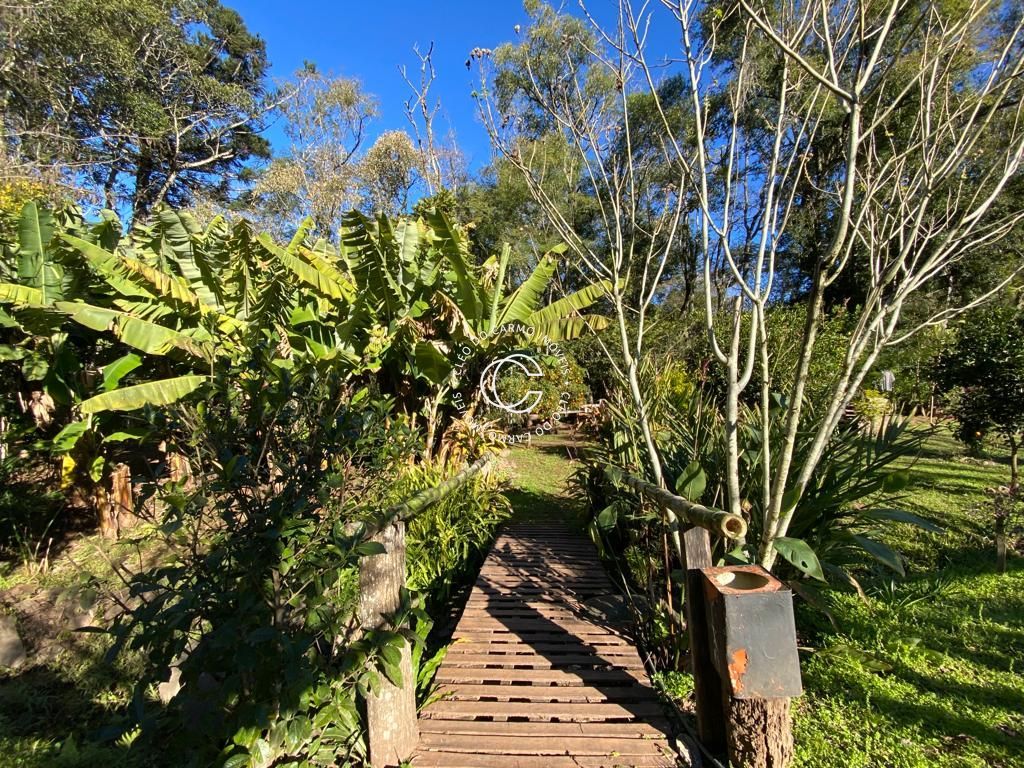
391 714
752 640
755 732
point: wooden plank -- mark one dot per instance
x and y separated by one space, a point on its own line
522 612
499 638
505 649
537 710
533 624
560 693
545 662
514 745
432 759
651 729
538 677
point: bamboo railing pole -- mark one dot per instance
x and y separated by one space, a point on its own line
726 524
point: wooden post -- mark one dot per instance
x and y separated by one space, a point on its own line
121 500
391 715
707 685
760 733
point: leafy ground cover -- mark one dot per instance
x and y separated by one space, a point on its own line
921 671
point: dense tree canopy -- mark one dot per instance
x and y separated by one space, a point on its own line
140 101
985 369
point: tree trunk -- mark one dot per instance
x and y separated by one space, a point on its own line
1014 464
391 715
760 734
106 513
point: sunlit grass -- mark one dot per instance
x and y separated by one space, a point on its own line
927 671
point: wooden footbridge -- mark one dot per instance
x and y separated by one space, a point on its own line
538 678
535 679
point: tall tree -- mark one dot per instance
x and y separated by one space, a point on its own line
325 122
986 366
918 107
142 101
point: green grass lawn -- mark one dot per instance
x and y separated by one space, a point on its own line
927 671
538 476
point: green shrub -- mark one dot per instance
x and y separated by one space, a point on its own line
256 607
561 387
448 540
872 405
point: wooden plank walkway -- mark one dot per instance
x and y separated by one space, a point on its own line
532 679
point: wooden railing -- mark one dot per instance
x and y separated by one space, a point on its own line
742 637
391 713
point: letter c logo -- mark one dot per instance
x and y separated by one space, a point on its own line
489 383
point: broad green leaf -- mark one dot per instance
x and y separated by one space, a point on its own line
36 266
68 437
431 363
370 548
35 367
456 252
571 304
166 285
408 237
12 293
110 268
800 554
141 334
161 392
692 482
524 299
393 672
178 230
9 353
790 499
117 370
96 468
607 517
881 552
319 261
499 285
569 328
125 435
307 273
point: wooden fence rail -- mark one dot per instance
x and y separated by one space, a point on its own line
391 713
742 639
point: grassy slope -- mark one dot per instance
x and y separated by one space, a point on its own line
538 481
933 674
928 671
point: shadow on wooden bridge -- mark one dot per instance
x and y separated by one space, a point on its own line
535 678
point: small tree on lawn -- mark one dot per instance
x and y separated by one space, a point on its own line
985 367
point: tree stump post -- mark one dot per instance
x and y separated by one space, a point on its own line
391 715
116 507
760 733
122 500
752 644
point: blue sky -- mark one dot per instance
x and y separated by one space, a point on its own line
369 39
